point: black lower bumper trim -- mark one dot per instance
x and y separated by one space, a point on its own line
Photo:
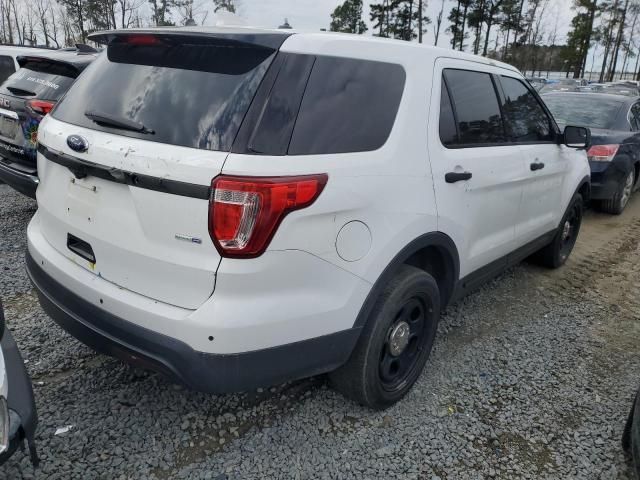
213 373
20 181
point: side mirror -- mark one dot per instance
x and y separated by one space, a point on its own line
577 137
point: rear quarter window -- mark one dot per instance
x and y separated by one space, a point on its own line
349 105
7 67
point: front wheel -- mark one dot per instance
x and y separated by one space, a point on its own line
395 342
557 252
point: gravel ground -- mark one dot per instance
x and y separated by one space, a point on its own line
531 377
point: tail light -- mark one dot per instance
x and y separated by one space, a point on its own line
244 212
602 153
40 107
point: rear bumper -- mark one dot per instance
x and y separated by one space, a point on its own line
207 372
606 178
19 180
22 408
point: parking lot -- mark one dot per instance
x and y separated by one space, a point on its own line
531 377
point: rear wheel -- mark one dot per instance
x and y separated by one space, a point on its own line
395 343
557 252
619 201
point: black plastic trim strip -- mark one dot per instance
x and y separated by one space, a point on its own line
83 168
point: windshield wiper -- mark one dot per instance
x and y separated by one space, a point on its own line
116 122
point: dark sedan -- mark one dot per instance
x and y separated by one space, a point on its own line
614 155
25 98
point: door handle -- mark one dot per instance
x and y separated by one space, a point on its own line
536 166
453 177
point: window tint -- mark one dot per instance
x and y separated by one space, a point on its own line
448 132
41 80
7 67
527 120
193 95
348 106
476 106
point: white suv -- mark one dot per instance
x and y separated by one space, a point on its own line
238 208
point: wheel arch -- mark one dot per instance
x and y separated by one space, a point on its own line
433 252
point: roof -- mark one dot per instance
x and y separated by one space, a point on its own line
17 50
278 36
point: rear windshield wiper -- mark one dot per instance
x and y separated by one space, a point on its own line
116 122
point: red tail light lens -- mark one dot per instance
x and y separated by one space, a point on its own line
244 212
40 107
602 153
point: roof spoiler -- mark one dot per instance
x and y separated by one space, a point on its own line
24 59
159 36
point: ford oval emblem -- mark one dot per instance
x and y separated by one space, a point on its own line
77 143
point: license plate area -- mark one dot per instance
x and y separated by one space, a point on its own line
8 125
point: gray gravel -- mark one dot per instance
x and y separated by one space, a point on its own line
531 377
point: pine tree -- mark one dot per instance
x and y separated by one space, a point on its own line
347 18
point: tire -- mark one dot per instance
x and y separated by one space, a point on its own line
617 204
557 252
380 371
631 437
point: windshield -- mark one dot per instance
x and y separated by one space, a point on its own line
188 95
583 110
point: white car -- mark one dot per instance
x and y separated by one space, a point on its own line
240 207
9 58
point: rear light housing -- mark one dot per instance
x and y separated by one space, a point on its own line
40 107
602 153
245 212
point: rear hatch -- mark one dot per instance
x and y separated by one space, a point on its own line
25 97
158 114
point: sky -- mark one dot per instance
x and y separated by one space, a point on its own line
312 15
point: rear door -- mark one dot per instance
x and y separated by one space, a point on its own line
477 173
547 162
151 122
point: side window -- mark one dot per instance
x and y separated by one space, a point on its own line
476 107
448 132
527 120
349 105
7 67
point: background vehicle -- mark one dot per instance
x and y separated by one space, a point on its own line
18 418
614 155
9 58
631 436
310 168
25 98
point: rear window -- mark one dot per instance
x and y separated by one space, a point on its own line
349 105
189 95
583 109
45 81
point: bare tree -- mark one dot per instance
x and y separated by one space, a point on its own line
439 22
